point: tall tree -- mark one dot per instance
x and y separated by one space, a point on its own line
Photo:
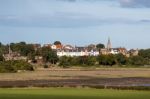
1 57
145 53
121 59
57 43
100 46
49 55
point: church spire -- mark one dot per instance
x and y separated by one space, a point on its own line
109 44
9 52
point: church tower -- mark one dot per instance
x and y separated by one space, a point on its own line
109 44
10 53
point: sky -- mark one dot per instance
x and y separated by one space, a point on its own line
76 22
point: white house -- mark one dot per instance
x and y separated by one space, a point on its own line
53 46
72 53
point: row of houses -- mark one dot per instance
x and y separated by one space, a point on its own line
76 52
95 52
91 50
68 50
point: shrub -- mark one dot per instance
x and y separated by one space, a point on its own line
45 66
14 66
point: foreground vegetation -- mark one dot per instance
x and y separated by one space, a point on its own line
104 60
14 66
71 93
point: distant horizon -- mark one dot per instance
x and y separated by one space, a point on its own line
76 22
42 44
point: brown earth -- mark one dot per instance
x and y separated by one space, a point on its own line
78 82
102 77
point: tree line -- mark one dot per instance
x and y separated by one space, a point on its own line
104 60
27 50
50 56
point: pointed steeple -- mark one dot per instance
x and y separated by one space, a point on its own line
9 53
109 44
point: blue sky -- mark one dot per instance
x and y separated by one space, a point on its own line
76 22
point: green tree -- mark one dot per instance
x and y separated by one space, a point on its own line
102 59
145 53
14 66
136 60
6 67
65 61
44 53
3 49
100 46
121 59
49 55
91 60
111 60
106 60
1 57
57 43
21 65
83 60
75 61
52 57
22 48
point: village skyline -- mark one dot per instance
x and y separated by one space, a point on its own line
68 50
75 45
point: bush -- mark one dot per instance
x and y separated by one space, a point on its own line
6 67
121 59
22 65
136 60
91 60
14 66
45 66
106 60
65 61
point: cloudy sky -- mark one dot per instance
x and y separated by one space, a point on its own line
76 22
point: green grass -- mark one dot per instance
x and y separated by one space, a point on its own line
71 93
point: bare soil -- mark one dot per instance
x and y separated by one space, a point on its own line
77 77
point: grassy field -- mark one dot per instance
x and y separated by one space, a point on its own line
71 93
76 73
